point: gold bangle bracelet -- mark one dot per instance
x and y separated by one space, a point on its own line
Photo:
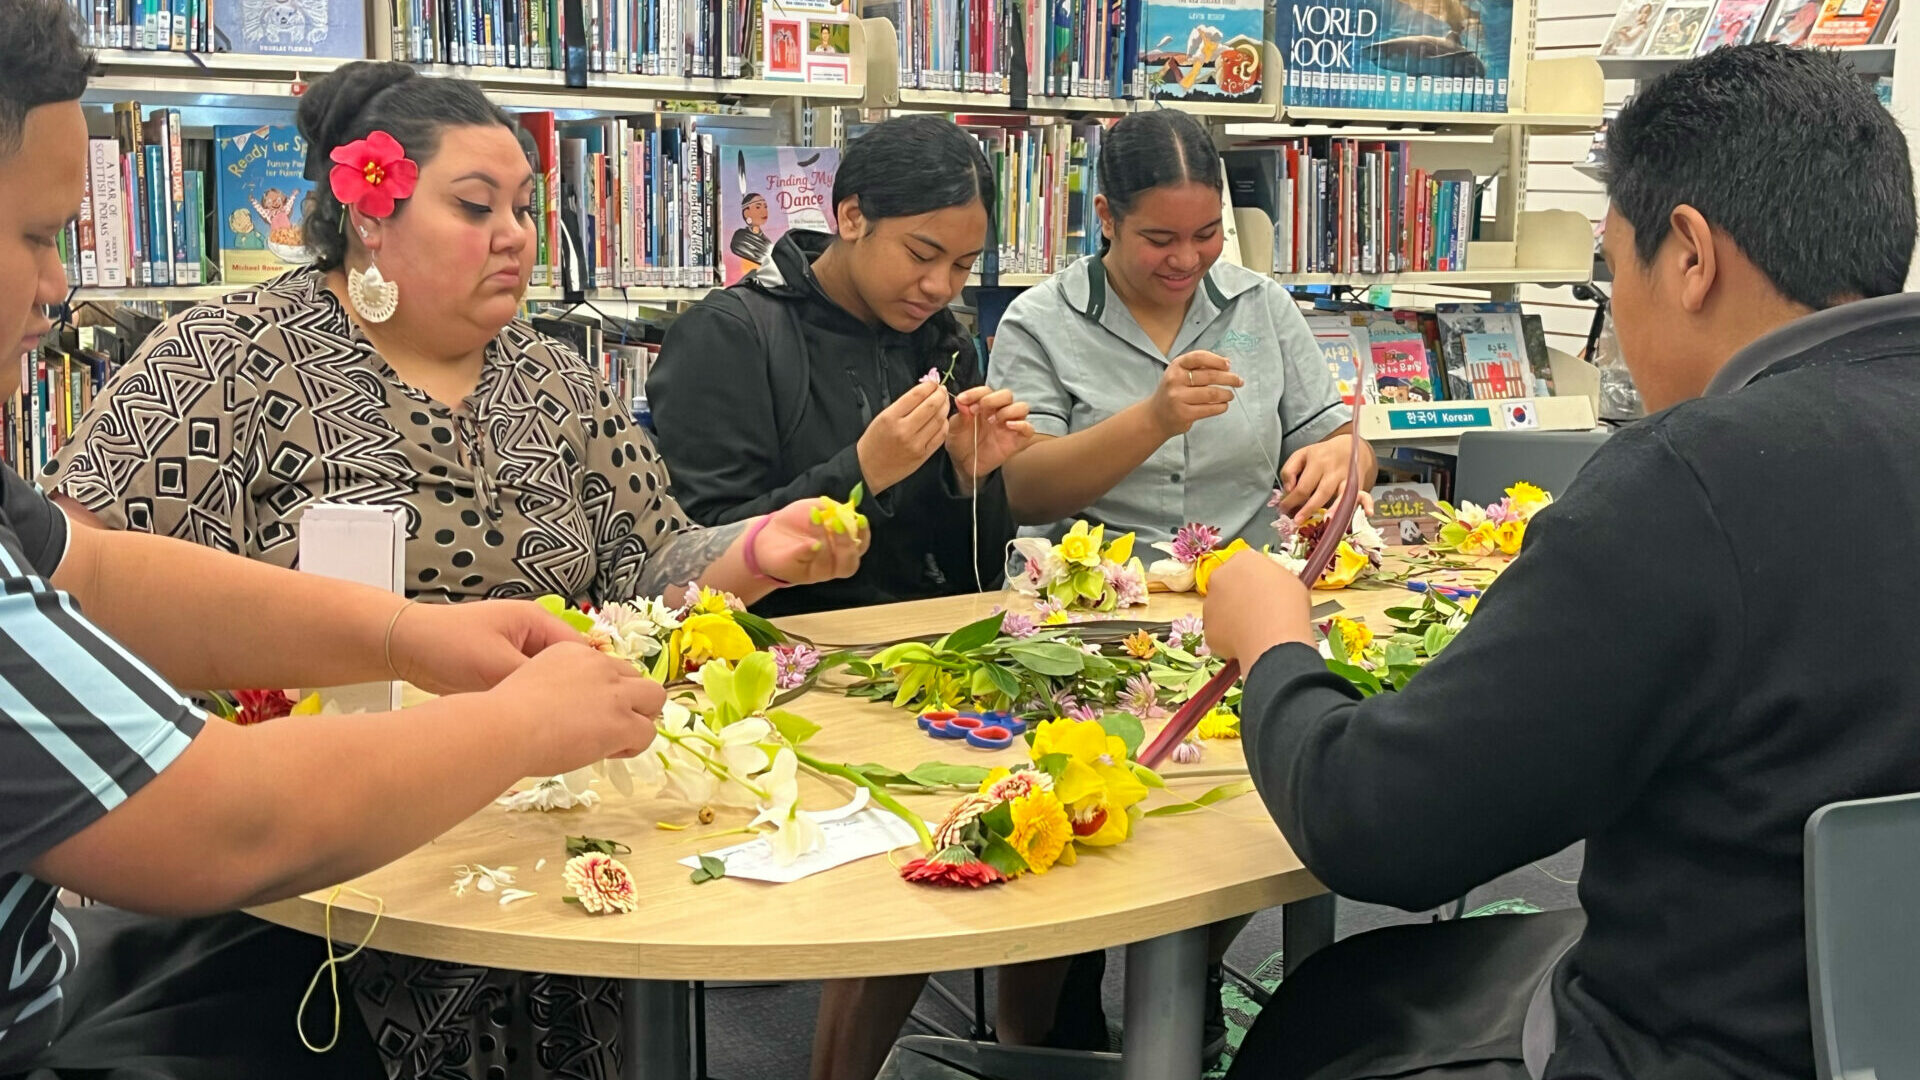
391 623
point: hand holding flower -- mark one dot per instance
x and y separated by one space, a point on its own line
801 551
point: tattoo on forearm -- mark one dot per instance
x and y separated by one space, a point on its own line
686 555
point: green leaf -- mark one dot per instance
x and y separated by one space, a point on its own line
910 684
940 774
582 845
1147 776
974 634
884 776
1096 668
762 633
1170 678
1400 655
859 492
1437 638
1365 681
1127 727
793 727
1000 855
1048 657
1219 794
1004 682
710 869
998 821
1168 652
1337 645
1053 764
753 682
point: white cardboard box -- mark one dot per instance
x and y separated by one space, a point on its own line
364 544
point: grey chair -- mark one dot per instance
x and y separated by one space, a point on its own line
1492 461
1863 938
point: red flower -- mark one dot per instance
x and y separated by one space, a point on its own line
935 870
257 706
372 173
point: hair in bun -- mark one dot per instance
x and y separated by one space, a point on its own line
370 95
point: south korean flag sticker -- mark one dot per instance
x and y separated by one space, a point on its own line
1520 414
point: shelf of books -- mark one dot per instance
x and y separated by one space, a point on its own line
1874 60
1555 94
1552 247
1648 37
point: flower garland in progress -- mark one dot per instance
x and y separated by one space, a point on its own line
1083 572
1196 552
1501 528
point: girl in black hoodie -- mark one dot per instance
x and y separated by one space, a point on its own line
839 364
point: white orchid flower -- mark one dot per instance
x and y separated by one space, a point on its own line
740 749
795 831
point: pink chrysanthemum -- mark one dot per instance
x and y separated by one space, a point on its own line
1194 540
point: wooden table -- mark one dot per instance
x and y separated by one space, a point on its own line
1157 892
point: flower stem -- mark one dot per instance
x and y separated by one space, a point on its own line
713 766
878 793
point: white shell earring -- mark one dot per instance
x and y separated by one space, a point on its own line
374 297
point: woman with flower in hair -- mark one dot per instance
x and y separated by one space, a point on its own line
393 372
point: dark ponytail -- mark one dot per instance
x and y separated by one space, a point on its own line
915 165
367 96
1154 149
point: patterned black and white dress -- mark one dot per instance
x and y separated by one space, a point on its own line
237 415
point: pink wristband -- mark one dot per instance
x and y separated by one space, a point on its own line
753 560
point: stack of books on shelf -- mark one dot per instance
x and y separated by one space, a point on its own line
640 201
701 38
1396 55
142 219
1350 206
1209 51
333 28
1680 28
1044 208
1456 352
58 382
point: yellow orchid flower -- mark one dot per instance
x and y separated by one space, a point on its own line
1509 535
308 706
1081 545
1527 498
1219 724
1120 550
1348 562
707 637
711 602
1096 786
1479 540
841 517
1213 560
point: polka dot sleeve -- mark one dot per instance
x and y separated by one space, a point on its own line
627 500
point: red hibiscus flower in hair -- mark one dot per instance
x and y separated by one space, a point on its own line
370 174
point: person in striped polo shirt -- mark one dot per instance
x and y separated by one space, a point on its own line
113 785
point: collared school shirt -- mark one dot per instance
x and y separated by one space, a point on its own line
1073 352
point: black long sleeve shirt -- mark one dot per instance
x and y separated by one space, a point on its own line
1707 637
736 445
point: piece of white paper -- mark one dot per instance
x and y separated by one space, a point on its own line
843 840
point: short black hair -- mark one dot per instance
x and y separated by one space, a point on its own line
1785 150
371 95
42 61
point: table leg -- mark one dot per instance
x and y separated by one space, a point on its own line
656 1030
1166 1007
1306 927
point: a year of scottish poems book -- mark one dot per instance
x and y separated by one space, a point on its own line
1678 28
765 191
1205 50
1398 55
